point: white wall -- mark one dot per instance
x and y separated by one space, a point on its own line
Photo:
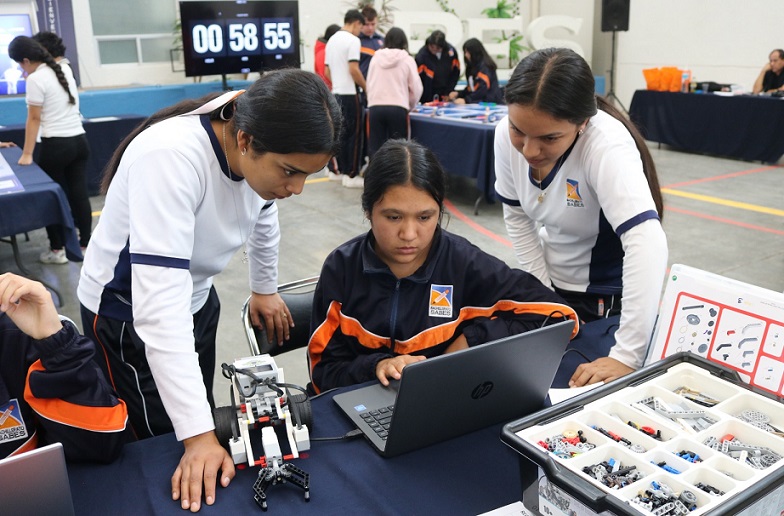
725 41
316 15
720 40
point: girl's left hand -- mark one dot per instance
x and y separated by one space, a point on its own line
270 312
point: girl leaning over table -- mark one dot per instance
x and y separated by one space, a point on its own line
184 192
582 203
53 110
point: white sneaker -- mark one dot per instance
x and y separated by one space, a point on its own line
354 182
333 176
53 256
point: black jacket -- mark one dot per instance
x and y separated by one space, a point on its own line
51 390
439 75
363 314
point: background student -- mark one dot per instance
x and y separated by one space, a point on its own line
185 191
319 51
342 60
570 163
394 89
408 289
53 108
438 66
51 390
480 74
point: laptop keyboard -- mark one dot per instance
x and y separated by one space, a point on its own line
379 420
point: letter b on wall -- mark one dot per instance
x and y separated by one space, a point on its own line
615 15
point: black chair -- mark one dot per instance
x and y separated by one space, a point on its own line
298 296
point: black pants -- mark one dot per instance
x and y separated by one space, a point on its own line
351 143
591 307
65 161
386 122
125 364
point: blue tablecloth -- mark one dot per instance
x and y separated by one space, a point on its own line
103 135
471 474
41 203
464 148
467 475
745 127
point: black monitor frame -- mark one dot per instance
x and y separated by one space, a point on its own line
239 36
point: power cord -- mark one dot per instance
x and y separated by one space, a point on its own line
353 434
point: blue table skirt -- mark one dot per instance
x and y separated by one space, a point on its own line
744 127
41 203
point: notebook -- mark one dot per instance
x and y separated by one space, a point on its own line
36 483
456 393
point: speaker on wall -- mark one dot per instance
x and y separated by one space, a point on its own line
615 15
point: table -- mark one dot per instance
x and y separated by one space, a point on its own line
464 146
41 203
103 134
467 475
745 127
471 474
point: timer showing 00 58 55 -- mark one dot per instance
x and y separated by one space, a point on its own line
241 36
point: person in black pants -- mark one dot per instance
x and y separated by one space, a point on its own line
53 109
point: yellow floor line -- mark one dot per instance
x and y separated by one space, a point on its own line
724 202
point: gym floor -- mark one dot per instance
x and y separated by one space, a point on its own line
723 216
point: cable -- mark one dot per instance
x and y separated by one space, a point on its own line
578 352
550 315
348 436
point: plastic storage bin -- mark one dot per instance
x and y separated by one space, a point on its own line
731 463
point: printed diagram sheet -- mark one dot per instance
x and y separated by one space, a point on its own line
738 325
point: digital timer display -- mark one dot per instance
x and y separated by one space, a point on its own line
239 37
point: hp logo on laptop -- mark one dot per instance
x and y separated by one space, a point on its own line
482 390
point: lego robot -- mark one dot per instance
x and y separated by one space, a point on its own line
264 402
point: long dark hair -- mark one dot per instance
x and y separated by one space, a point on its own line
396 38
23 47
559 82
51 42
478 55
403 162
285 111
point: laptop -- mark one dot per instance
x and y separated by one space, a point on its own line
456 393
36 483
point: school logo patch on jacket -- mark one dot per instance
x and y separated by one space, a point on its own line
573 197
12 426
441 300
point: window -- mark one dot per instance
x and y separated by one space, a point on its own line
133 31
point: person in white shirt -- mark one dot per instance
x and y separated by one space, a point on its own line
53 108
342 68
185 191
582 203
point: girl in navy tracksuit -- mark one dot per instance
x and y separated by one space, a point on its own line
51 390
408 289
480 74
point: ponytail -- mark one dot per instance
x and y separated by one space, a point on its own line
23 47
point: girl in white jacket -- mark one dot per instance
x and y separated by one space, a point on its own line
393 89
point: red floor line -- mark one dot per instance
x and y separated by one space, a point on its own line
725 221
723 176
484 231
481 229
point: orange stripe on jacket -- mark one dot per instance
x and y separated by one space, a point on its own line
426 338
427 71
367 51
96 419
30 444
455 63
484 77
